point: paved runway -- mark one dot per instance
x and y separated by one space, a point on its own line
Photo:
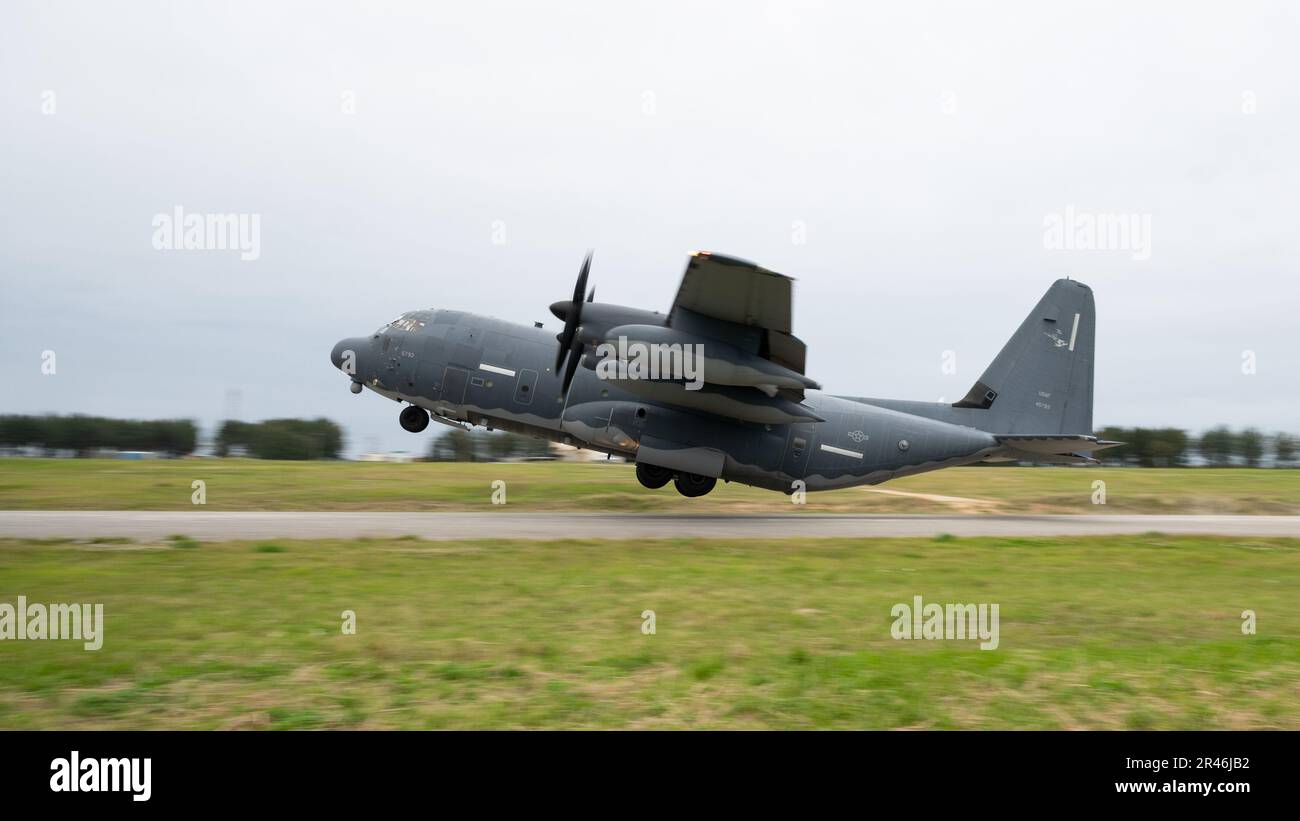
215 525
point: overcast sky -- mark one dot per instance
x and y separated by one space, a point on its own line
902 160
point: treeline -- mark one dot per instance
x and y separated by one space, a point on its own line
84 434
1217 447
323 439
281 439
480 446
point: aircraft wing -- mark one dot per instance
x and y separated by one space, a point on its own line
741 304
737 316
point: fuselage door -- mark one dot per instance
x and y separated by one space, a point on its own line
454 381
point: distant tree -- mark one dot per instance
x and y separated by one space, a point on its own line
1217 446
481 446
232 434
20 431
464 445
507 445
531 446
171 436
1168 447
1283 449
282 438
66 433
331 438
85 434
1249 445
456 445
440 449
1140 446
1147 447
277 440
503 445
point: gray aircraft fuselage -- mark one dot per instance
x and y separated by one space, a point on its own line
466 368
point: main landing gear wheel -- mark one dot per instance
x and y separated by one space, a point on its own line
692 485
413 418
653 476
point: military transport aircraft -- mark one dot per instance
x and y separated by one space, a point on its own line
715 388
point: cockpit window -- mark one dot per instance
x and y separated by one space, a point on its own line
412 321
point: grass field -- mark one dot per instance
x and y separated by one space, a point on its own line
245 484
1126 632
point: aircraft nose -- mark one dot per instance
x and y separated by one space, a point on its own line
344 355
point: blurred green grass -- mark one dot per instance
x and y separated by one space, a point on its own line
249 484
1117 632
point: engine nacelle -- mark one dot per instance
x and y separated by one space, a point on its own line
673 354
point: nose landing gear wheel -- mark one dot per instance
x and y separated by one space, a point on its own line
692 485
653 476
413 418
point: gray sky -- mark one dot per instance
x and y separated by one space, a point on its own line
900 159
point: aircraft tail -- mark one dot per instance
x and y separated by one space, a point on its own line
1041 381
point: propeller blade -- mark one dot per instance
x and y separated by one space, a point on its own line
571 313
581 287
559 355
575 355
591 297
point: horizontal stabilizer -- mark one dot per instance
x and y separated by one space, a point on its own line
1049 448
1054 442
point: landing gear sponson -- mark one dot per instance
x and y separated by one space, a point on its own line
687 484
